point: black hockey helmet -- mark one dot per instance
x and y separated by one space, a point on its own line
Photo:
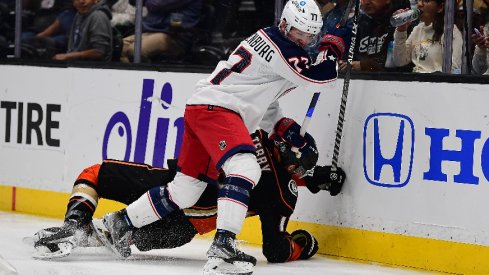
308 155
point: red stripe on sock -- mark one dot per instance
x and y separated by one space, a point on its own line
152 205
14 195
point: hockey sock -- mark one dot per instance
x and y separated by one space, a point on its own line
150 207
82 204
84 197
232 203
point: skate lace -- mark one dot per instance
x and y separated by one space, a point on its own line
238 244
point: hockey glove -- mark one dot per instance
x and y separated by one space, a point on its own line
326 179
334 45
308 243
285 137
287 130
309 153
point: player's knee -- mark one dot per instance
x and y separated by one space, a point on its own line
277 251
89 175
244 165
185 191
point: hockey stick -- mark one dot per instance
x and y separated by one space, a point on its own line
315 97
345 16
306 121
346 85
310 111
302 132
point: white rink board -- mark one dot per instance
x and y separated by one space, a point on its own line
419 203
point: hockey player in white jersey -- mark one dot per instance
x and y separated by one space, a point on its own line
239 97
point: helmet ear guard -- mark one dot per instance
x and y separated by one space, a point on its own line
303 15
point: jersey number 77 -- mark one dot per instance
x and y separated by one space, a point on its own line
237 68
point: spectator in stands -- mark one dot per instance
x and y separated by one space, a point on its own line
54 37
91 33
480 60
424 46
167 29
44 16
332 12
236 18
124 14
37 17
374 34
7 27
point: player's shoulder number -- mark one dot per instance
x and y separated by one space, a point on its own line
238 67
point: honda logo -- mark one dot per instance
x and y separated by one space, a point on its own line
388 149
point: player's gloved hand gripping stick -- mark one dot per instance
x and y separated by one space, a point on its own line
307 120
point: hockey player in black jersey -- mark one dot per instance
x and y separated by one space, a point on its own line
273 200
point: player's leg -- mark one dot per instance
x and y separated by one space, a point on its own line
233 199
158 202
116 180
228 142
75 231
173 231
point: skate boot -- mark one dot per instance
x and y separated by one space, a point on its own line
115 231
57 242
223 250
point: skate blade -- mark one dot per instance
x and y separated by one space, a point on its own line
43 233
103 235
43 253
217 266
30 240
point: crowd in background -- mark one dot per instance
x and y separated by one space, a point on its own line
205 31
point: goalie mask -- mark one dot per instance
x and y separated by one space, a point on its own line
288 158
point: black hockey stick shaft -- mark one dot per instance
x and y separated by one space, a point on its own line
346 86
345 16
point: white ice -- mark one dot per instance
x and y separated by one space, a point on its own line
186 260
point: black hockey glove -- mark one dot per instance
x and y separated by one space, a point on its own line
334 45
309 153
307 241
326 179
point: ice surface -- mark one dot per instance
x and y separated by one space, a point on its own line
186 260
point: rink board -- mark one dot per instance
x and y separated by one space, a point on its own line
416 155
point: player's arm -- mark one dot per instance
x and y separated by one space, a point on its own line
272 116
324 178
295 65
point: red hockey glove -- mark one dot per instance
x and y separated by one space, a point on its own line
288 131
334 45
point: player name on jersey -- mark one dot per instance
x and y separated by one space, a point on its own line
261 46
260 154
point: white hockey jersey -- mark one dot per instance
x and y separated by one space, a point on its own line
263 67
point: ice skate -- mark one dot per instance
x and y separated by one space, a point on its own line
115 231
58 242
43 233
225 258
